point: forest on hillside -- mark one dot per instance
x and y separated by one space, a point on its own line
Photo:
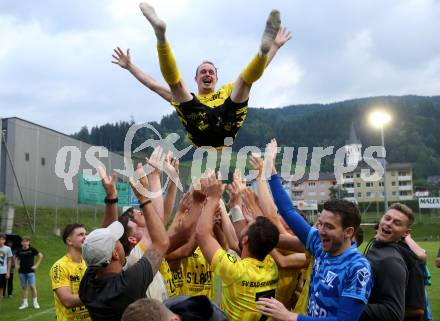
412 136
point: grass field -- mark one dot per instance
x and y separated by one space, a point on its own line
53 248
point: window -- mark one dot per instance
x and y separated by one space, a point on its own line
393 173
358 184
348 185
312 183
359 194
394 193
369 184
403 173
358 175
368 194
393 183
43 161
297 193
381 184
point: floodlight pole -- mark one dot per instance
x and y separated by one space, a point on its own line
385 197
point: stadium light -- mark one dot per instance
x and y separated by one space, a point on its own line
379 119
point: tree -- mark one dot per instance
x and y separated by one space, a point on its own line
337 191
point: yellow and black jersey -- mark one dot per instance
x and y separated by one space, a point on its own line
209 119
301 305
244 282
67 273
173 278
198 277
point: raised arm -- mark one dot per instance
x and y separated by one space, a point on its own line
282 200
124 61
183 224
291 243
155 162
170 196
111 197
234 190
183 251
265 200
292 261
228 229
282 37
156 229
204 230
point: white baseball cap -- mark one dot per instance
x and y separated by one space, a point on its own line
100 243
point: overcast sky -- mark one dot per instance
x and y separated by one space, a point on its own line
55 55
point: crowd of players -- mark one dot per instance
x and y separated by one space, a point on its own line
253 258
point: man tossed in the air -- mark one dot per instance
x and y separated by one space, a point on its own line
212 115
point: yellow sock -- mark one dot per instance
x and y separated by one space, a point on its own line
254 70
168 65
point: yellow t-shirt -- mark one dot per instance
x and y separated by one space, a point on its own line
173 279
301 305
287 285
244 281
66 272
197 275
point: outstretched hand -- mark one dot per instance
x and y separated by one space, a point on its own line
257 163
270 156
282 37
122 59
185 203
214 187
140 185
156 161
250 200
108 182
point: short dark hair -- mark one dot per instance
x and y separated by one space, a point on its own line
69 229
3 236
123 219
26 238
206 62
146 310
263 236
347 211
405 210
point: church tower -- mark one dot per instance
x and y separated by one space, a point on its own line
353 149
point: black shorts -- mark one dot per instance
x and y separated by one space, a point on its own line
209 126
2 281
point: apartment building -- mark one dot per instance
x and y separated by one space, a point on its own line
399 177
